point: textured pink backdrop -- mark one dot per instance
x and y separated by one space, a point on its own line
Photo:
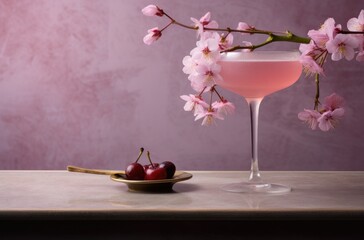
78 86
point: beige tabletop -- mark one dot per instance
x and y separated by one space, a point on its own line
71 195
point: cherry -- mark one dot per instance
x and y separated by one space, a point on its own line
150 166
154 171
135 171
170 168
155 174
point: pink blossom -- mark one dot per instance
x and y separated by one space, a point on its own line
311 49
333 102
205 19
342 46
202 65
330 28
152 10
310 117
242 26
360 55
189 64
357 24
207 74
311 54
226 42
194 103
208 116
329 119
198 86
327 31
306 49
319 37
310 65
224 107
209 34
207 48
153 35
204 22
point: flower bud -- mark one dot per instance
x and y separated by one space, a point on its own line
242 26
153 35
152 10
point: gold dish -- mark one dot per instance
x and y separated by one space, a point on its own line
163 185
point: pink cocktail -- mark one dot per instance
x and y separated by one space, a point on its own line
257 74
253 76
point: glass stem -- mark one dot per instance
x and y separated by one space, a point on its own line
254 104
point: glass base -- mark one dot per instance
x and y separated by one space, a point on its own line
249 187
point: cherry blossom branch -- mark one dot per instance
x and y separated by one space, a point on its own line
173 21
288 37
351 32
272 36
203 68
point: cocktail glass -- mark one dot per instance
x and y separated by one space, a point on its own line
254 75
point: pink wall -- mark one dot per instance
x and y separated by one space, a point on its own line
78 86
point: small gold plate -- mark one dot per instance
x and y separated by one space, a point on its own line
163 185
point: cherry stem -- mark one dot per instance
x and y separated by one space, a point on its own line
317 96
217 93
150 160
169 24
140 154
200 94
211 93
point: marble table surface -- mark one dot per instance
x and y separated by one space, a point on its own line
71 195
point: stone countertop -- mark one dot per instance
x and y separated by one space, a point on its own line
62 195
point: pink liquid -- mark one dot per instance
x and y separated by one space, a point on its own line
258 74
